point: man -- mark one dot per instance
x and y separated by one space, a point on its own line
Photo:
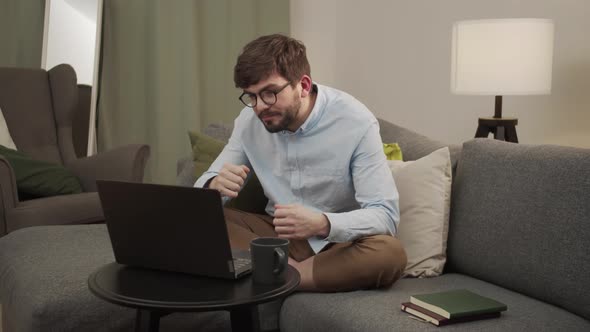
319 158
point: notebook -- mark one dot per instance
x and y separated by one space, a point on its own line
171 228
438 320
457 303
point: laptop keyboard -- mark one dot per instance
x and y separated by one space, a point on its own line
241 263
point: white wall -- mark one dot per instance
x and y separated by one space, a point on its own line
71 36
395 57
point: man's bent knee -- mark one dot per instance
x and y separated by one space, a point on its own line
387 260
371 262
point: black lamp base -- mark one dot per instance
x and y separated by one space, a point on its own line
503 128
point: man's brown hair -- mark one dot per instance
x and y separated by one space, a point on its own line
267 54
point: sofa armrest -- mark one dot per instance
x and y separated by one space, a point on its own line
126 163
8 192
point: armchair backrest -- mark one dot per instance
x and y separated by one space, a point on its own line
38 106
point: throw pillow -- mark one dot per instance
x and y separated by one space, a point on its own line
424 187
205 150
5 138
392 151
35 178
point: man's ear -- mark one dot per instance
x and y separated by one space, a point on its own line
306 86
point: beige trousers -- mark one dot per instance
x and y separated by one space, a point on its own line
370 262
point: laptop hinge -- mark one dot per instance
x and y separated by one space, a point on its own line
230 265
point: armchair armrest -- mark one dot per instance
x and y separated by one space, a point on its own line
126 163
8 192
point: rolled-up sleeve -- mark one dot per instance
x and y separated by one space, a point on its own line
375 191
232 153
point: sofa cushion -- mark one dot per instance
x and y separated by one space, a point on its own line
205 149
37 178
43 284
424 187
379 310
520 219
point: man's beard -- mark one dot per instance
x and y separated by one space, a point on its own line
287 118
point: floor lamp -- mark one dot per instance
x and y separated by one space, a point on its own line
498 57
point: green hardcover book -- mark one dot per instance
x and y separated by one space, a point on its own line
457 303
438 320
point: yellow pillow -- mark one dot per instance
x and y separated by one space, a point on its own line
392 151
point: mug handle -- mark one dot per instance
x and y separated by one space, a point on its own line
280 253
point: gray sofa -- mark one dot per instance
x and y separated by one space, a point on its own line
519 232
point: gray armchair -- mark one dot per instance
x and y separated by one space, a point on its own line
39 107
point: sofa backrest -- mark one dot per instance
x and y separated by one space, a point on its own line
38 106
413 145
520 218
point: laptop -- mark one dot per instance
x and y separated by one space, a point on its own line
171 228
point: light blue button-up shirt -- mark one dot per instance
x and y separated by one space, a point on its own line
334 164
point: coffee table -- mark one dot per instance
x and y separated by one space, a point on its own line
157 293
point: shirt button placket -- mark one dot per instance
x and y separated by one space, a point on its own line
292 160
297 171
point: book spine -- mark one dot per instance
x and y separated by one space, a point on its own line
463 319
477 313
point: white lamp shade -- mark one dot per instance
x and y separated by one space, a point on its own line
502 57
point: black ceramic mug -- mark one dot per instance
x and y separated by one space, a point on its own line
270 256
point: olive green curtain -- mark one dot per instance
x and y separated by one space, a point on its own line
21 33
167 67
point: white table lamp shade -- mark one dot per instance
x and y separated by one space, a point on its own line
502 57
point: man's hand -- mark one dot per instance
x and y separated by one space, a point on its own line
230 179
293 221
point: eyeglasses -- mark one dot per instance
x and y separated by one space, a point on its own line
269 97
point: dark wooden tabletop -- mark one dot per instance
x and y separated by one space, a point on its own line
172 292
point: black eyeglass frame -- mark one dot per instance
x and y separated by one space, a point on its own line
259 94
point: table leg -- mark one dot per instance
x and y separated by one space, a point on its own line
499 133
245 319
511 134
482 131
147 321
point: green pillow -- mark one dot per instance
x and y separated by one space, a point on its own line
35 178
392 151
205 149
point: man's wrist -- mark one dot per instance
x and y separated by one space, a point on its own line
208 183
325 230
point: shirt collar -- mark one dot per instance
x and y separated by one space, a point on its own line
314 115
